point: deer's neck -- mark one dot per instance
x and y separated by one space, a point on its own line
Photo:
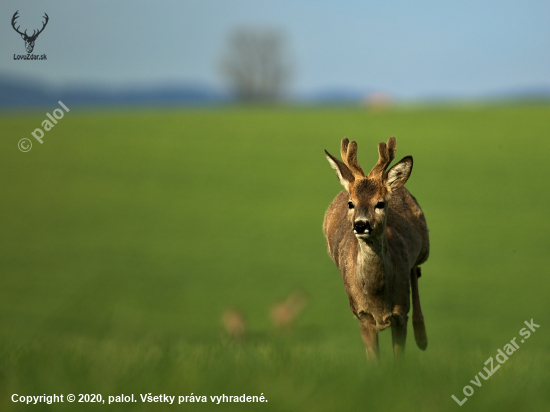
374 265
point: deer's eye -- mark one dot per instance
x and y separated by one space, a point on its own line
380 205
350 205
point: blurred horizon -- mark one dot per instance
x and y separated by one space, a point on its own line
20 92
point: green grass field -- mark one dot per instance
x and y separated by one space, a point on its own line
127 233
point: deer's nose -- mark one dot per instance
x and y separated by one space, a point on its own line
361 226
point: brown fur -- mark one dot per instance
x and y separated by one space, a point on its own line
234 323
284 314
379 269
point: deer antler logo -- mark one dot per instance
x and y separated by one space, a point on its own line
29 40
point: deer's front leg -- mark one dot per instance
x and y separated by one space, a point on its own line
399 335
369 333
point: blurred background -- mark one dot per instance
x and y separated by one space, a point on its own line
194 51
166 236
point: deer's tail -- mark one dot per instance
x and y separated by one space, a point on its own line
418 318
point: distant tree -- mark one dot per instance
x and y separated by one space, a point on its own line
256 64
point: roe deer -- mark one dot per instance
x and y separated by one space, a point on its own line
377 235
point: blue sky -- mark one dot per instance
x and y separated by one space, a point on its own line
405 48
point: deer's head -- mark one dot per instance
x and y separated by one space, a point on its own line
29 40
370 194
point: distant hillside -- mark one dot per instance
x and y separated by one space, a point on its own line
336 95
22 92
16 92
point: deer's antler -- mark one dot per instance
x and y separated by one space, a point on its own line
386 153
15 16
34 33
348 151
42 29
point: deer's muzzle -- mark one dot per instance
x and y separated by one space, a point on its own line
362 227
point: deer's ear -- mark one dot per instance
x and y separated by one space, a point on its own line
398 175
344 174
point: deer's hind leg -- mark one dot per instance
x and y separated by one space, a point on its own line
418 318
